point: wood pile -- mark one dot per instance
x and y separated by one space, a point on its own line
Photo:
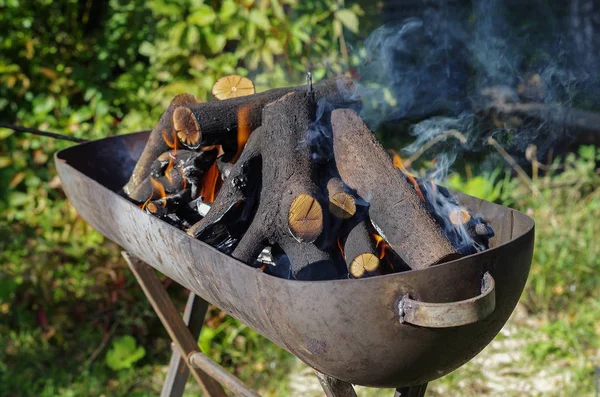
292 181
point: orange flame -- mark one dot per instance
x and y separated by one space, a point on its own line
380 244
172 144
158 188
169 169
209 184
399 165
243 130
339 244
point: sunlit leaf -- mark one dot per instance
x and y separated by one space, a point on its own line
274 46
123 353
203 16
216 42
348 18
259 19
228 9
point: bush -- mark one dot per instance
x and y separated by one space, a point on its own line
92 69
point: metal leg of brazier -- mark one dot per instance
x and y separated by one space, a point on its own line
335 387
193 317
413 391
207 373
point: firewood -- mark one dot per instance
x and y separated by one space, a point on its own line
175 170
341 203
290 214
459 216
238 189
360 251
162 138
186 127
305 218
232 86
218 120
224 168
396 210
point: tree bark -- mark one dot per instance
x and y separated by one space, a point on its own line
397 212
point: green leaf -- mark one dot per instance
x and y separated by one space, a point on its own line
274 45
5 133
192 37
216 42
228 9
203 16
337 28
348 19
124 353
159 7
259 19
176 32
277 10
146 49
251 34
267 58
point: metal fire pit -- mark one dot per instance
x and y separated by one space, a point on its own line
359 331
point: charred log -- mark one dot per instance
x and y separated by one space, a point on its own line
360 251
395 208
162 138
291 213
217 122
174 171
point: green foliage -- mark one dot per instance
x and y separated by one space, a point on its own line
486 187
124 353
92 69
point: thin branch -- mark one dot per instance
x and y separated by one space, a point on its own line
522 174
101 346
450 133
54 135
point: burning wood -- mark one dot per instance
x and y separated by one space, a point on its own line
394 206
241 175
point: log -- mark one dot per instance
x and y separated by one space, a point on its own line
342 204
360 251
239 188
162 138
175 171
217 121
396 210
292 210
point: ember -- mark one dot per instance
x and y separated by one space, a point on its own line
296 185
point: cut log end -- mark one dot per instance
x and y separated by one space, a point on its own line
186 126
305 218
363 263
459 217
233 86
342 205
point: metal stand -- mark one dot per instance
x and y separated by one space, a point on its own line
187 358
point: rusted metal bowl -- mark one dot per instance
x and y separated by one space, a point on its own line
396 330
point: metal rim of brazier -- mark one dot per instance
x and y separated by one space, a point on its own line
348 329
